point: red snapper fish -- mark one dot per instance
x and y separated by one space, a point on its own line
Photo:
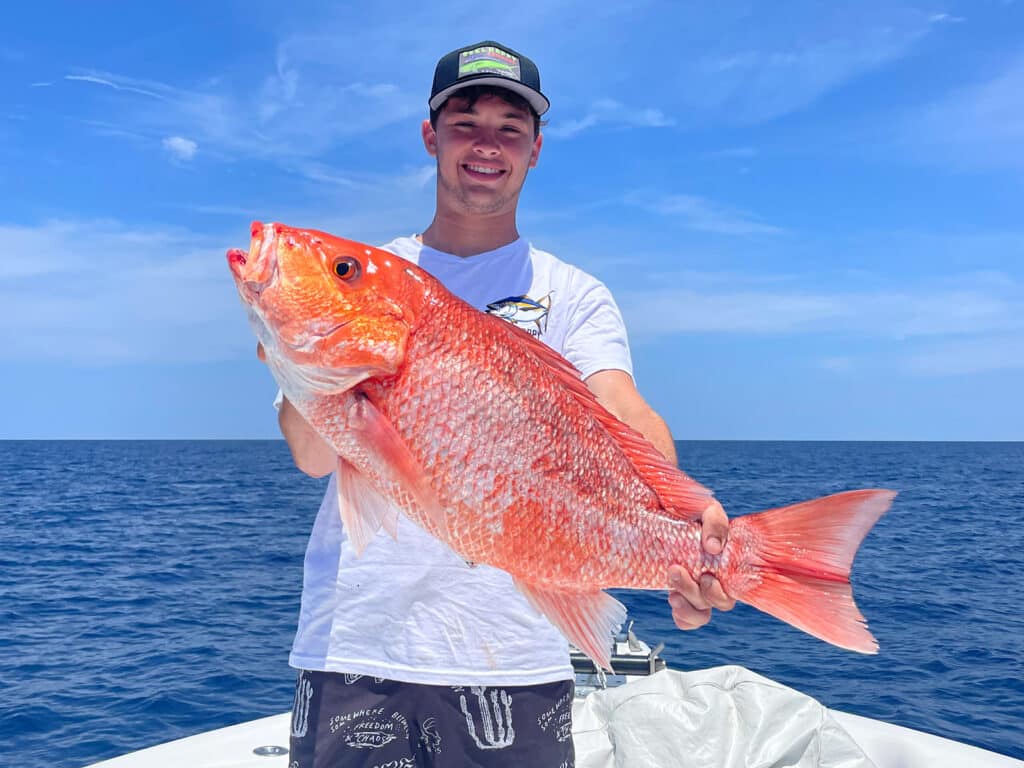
489 440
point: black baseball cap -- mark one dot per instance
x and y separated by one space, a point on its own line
487 63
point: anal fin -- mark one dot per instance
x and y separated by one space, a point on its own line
589 619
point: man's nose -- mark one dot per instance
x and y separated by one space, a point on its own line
486 143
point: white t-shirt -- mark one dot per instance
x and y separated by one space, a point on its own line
411 609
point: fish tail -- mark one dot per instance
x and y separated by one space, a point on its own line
799 569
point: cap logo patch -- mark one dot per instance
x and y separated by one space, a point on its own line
488 60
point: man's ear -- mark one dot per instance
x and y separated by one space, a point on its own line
535 152
429 138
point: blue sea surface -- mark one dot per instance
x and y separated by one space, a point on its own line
149 590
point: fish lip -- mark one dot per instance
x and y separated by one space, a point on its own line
237 259
256 268
237 262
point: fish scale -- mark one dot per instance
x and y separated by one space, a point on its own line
557 441
490 441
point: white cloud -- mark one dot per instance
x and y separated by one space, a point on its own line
926 313
945 18
322 173
737 153
968 356
673 311
701 214
980 125
419 178
98 292
612 113
180 147
789 66
121 84
301 111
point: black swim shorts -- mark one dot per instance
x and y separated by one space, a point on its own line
352 721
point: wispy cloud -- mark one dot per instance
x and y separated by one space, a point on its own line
808 60
234 211
926 331
733 153
299 112
981 125
945 18
968 356
120 84
611 113
322 173
98 292
888 314
418 178
112 130
703 215
180 147
102 292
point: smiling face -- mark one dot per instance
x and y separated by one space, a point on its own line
483 152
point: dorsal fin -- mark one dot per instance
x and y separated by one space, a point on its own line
682 497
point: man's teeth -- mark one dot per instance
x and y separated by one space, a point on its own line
483 169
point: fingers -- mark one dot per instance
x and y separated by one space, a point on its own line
714 529
690 609
685 615
714 532
712 592
260 353
692 600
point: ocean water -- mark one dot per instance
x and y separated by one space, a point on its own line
149 590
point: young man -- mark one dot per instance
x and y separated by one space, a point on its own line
407 655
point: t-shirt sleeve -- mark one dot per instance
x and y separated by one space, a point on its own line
595 338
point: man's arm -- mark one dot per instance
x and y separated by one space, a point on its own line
691 600
310 452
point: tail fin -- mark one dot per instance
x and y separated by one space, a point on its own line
800 563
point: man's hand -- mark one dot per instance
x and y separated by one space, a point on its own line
692 600
260 353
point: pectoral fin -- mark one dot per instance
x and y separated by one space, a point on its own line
587 619
384 454
363 509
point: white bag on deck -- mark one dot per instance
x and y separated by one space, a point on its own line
725 717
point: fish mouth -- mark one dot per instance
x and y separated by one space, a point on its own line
256 269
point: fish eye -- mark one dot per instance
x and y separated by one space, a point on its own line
347 268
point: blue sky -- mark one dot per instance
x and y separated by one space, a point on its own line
810 213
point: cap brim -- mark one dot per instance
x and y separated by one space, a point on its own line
536 99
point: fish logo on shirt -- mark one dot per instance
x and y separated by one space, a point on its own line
523 312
